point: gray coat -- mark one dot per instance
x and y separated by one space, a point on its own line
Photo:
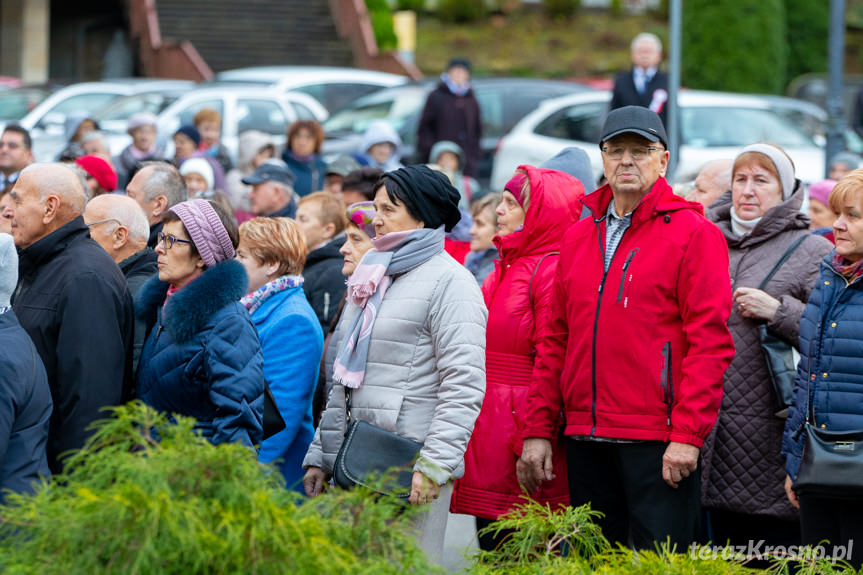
425 376
743 467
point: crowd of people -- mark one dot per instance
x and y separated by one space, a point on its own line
582 344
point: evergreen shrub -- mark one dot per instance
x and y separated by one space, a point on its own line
461 10
382 24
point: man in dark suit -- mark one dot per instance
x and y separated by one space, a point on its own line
644 85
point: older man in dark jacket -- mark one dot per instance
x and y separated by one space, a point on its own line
73 301
25 400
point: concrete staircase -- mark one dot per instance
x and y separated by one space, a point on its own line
234 34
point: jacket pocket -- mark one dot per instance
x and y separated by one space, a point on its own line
626 278
666 382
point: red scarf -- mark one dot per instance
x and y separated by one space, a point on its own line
851 271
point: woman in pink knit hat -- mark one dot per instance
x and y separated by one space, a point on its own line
819 208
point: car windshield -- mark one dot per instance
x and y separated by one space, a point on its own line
16 103
396 109
124 108
734 127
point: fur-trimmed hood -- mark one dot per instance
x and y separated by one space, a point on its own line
189 310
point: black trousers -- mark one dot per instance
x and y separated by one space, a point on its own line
838 521
489 541
624 481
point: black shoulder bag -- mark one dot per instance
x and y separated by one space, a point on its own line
375 458
778 354
832 462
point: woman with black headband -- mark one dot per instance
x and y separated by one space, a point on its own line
411 345
202 357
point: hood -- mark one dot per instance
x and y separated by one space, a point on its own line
72 121
447 146
554 206
249 144
575 162
379 131
189 310
782 217
660 199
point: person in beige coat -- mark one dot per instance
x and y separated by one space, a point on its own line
419 371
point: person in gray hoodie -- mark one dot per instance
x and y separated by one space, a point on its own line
380 147
450 157
254 148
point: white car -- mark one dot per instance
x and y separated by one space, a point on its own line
713 125
241 107
332 87
46 122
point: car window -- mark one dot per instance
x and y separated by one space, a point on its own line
337 96
733 127
581 122
187 114
17 103
262 115
491 110
124 108
82 103
303 111
357 119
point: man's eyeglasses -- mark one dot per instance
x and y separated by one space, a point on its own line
91 224
168 240
636 152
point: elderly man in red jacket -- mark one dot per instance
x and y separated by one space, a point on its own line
637 346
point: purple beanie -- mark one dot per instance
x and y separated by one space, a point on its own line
821 191
206 230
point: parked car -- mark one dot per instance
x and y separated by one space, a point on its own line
46 120
332 87
115 116
242 108
502 101
16 103
713 125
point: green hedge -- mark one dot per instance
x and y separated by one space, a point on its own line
807 33
461 10
561 8
734 45
130 504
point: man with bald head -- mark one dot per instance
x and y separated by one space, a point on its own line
72 300
119 225
157 187
712 181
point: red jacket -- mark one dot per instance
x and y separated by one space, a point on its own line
639 352
489 487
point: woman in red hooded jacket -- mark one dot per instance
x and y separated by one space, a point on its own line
537 208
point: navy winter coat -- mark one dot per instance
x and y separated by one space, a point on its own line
831 348
25 410
310 173
202 357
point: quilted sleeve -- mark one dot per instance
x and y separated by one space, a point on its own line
235 368
457 319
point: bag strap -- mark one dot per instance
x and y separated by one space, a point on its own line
782 260
533 275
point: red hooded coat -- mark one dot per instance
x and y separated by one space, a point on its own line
489 487
638 352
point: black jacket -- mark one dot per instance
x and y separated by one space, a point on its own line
625 93
323 281
73 301
454 118
154 234
25 410
138 268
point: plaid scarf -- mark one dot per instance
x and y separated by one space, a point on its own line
851 271
256 299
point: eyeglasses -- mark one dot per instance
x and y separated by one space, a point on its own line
636 152
103 221
168 240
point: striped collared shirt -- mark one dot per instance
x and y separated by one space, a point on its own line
614 228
